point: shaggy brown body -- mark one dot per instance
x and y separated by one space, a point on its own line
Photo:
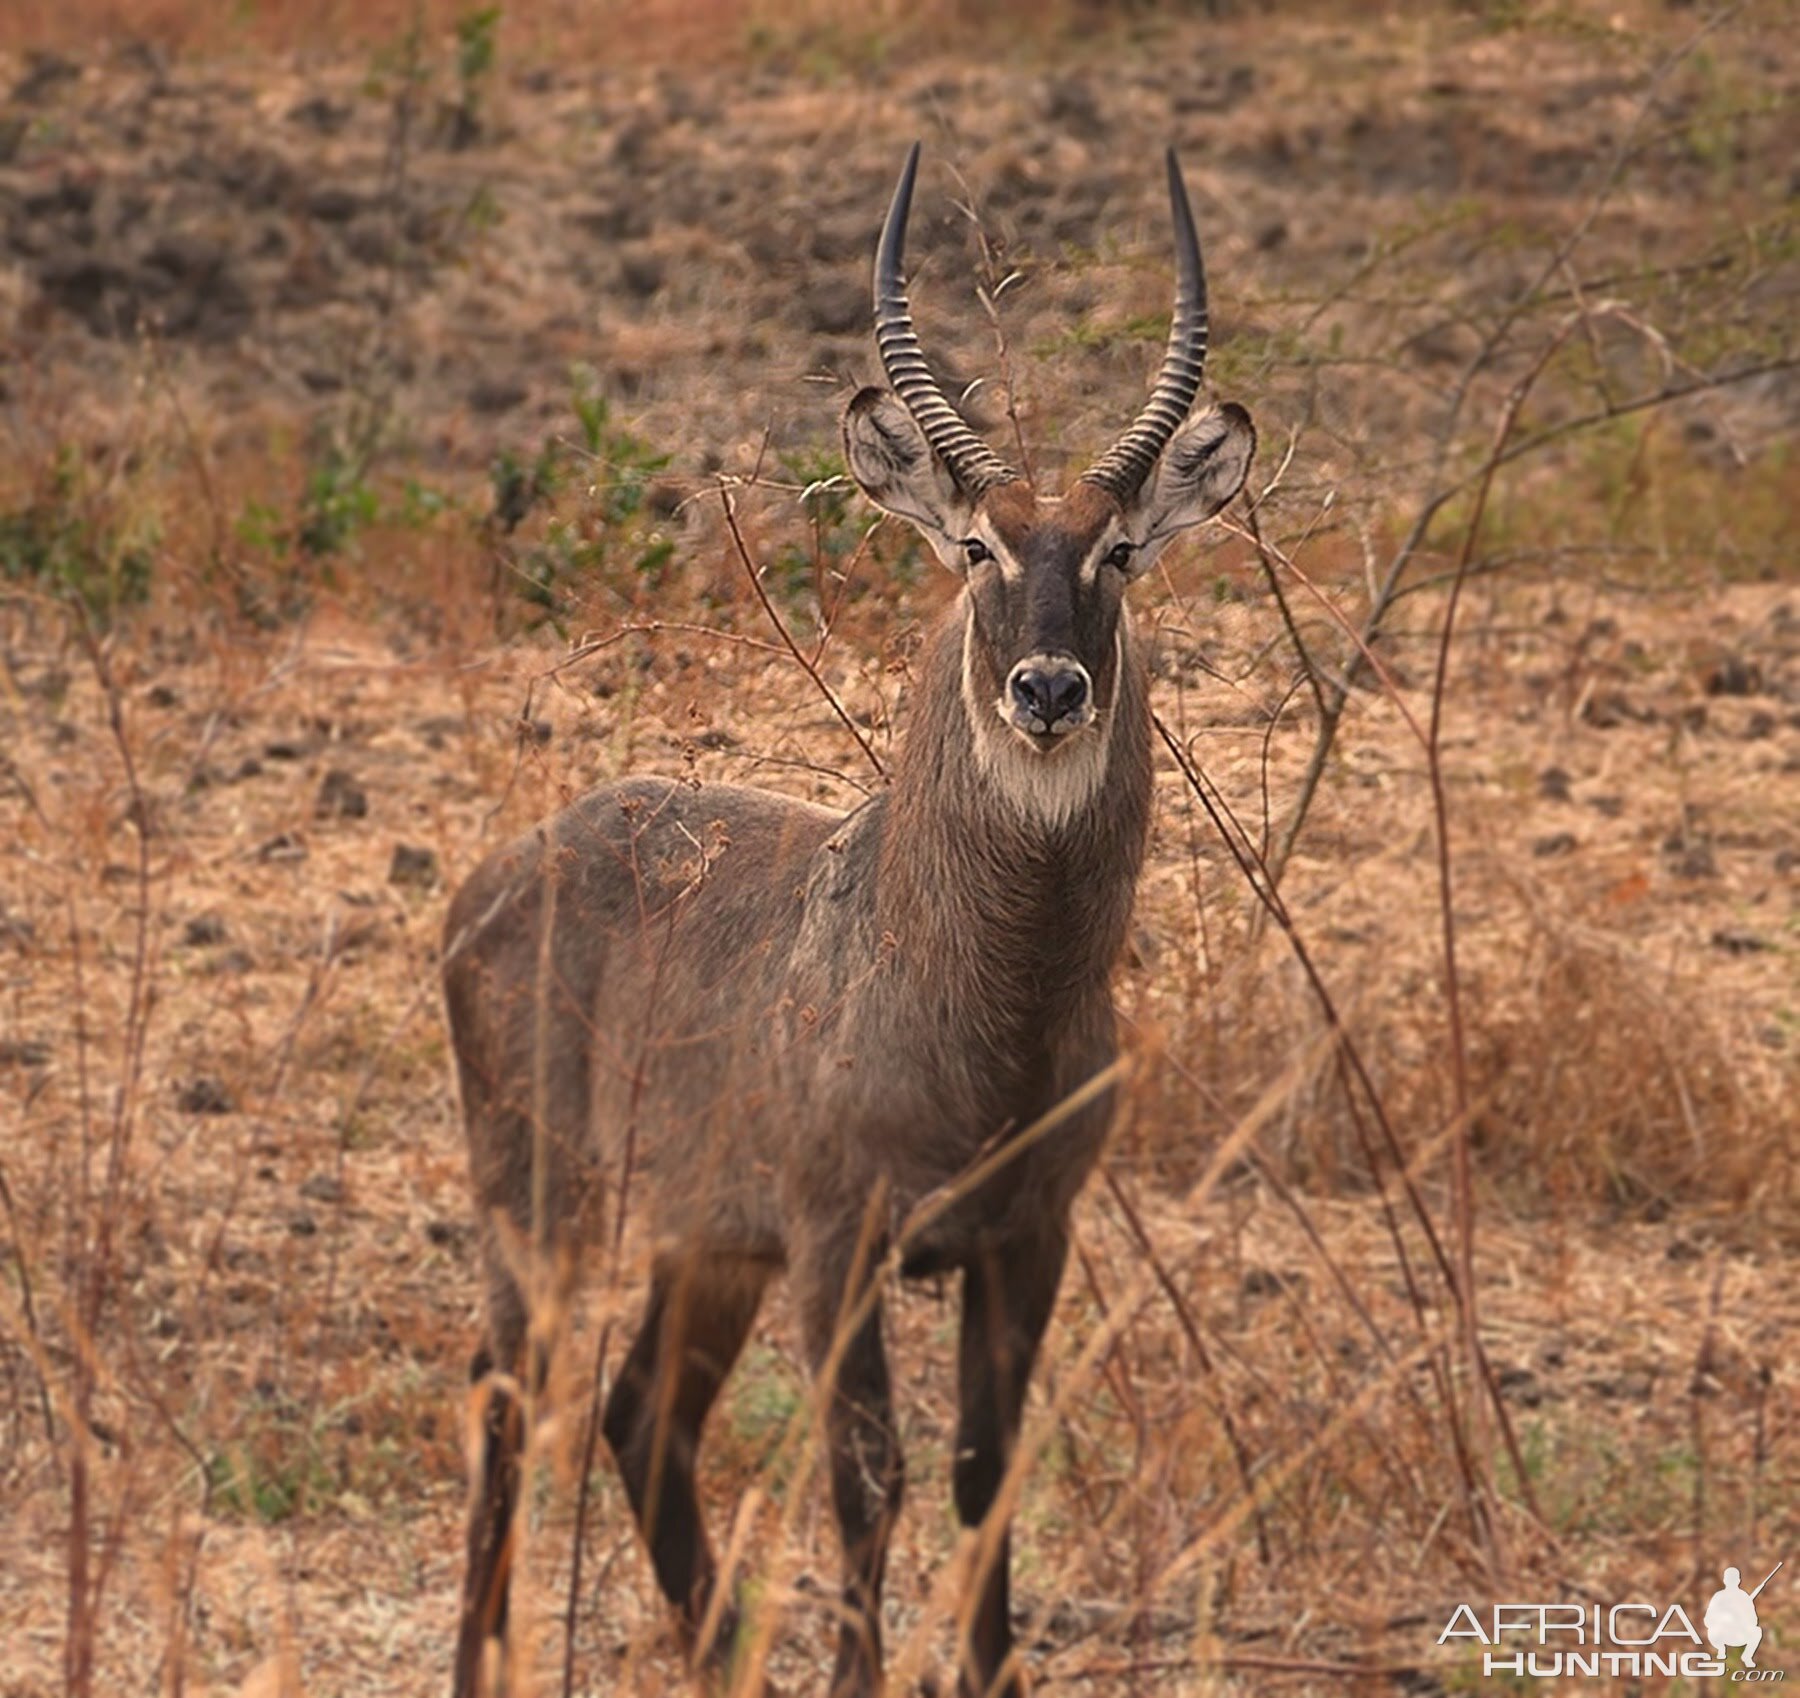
772 1032
731 977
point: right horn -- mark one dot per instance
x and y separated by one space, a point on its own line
973 464
1121 470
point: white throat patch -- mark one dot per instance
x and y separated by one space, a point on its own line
1046 788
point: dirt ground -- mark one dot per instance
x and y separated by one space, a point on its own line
231 810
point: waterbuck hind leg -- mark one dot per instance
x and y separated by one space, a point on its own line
487 1571
698 1315
867 1469
1009 1291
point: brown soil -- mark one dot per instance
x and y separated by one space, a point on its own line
207 262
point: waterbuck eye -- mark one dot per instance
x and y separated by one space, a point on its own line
976 550
1119 555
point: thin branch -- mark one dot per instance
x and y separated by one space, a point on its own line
781 630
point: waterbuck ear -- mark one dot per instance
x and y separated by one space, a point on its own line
895 468
1201 470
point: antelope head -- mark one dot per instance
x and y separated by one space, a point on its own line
1045 576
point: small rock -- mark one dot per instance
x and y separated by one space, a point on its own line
413 866
1267 1282
341 797
1557 843
1734 676
332 204
1553 784
497 394
23 1052
323 1188
283 846
642 272
1607 807
303 1225
204 1095
1739 942
1521 1384
202 930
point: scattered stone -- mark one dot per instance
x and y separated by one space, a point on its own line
493 395
1553 784
341 797
1607 807
204 1095
1267 1282
1557 843
318 113
1734 676
23 1052
303 1225
1759 725
1611 708
248 767
1735 942
1520 1384
414 867
332 204
43 72
283 750
1697 862
1690 857
323 1188
203 930
283 846
643 272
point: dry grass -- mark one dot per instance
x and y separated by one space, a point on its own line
237 1291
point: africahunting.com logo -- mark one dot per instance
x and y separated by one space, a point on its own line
1563 1641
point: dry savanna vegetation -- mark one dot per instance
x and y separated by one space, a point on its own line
373 381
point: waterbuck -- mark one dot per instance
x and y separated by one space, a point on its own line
784 1038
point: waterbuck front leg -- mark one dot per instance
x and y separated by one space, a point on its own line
840 1317
1009 1290
699 1313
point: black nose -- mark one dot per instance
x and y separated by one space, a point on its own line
1049 691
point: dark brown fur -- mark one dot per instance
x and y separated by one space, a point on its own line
776 1030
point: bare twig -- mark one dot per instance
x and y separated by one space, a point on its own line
787 639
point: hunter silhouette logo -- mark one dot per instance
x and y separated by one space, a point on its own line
1731 1616
1568 1640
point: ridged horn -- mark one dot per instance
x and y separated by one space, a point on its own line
971 462
1124 466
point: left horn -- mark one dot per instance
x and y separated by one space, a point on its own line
973 464
1122 469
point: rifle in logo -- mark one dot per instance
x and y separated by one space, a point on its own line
1731 1615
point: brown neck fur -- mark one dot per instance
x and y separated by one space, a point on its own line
1006 924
